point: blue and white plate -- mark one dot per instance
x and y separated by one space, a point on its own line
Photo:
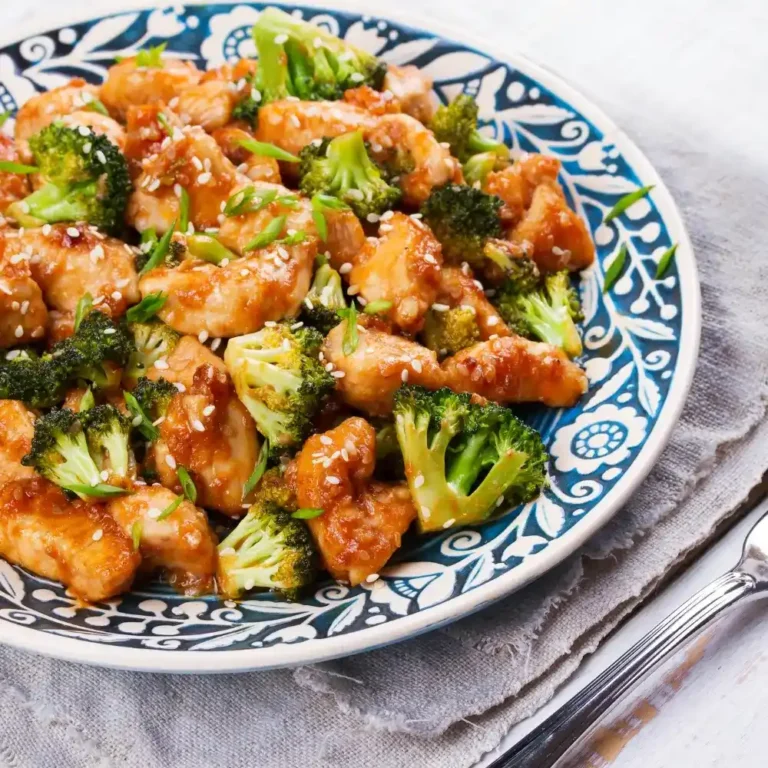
641 340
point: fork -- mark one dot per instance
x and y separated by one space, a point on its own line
551 740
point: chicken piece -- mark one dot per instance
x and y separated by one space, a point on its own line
255 167
144 134
412 89
18 429
363 521
402 142
210 432
401 266
242 69
374 102
292 125
43 109
76 543
208 104
68 260
13 186
346 237
188 355
516 184
100 124
194 161
515 370
23 314
181 544
237 298
459 289
379 365
553 235
129 85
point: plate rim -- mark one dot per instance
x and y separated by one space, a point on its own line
427 619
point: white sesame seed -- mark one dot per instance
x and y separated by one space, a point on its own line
38 332
198 164
157 422
404 375
73 231
338 374
280 39
97 534
15 306
245 272
353 289
215 344
162 364
170 461
308 303
499 501
329 366
357 77
372 217
202 337
136 420
416 365
87 147
294 121
332 480
418 481
154 513
372 578
204 178
13 354
208 410
440 307
345 268
325 440
426 512
198 425
449 523
47 229
84 130
492 320
116 295
101 157
104 475
19 332
430 259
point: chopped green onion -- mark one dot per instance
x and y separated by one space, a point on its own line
145 426
136 530
349 344
294 239
147 308
626 201
8 166
170 509
288 201
94 105
263 149
320 203
87 401
160 251
377 307
149 236
248 200
258 470
307 513
268 235
151 57
187 485
615 269
208 248
184 211
84 306
4 117
99 491
164 124
665 261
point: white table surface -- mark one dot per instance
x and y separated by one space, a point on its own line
680 59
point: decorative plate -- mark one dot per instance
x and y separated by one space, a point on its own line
641 341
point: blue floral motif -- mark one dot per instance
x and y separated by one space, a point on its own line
631 339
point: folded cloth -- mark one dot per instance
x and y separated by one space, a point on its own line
445 698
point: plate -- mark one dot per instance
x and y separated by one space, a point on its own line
641 342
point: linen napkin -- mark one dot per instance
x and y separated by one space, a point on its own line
447 697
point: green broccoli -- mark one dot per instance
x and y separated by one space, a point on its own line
464 459
154 396
301 60
38 381
451 330
341 168
107 432
464 220
152 341
547 309
86 179
280 380
326 295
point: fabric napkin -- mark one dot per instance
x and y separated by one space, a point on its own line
445 698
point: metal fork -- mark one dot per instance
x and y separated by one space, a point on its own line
545 745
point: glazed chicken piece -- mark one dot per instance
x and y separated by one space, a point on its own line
45 108
412 89
145 135
23 314
99 124
13 186
208 104
16 433
401 266
242 69
129 85
255 167
181 544
194 161
515 370
67 261
292 125
76 543
237 298
553 235
188 355
363 520
401 141
376 103
377 368
210 432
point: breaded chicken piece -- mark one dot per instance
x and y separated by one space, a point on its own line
208 104
242 69
100 124
23 314
181 544
401 266
515 370
363 520
129 85
76 543
412 89
13 186
377 368
292 125
377 103
145 135
401 140
69 260
210 432
188 355
255 167
17 428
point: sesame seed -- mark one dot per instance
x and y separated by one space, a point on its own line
353 289
73 231
38 332
440 307
24 307
245 272
104 475
202 337
204 178
499 501
345 268
345 454
198 425
97 252
157 422
83 130
373 217
357 77
478 285
87 147
15 306
215 344
223 263
19 332
280 39
136 420
355 194
338 374
270 324
493 336
418 481
248 584
308 304
449 523
162 364
370 579
13 354
153 185
47 229
332 480
170 461
17 258
294 121
325 440
416 216
430 259
492 320
296 326
97 534
404 375
208 410
196 162
416 365
426 512
116 295
154 512
329 366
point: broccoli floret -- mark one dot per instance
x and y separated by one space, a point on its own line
107 433
325 296
341 168
463 219
60 451
81 185
547 310
302 60
450 331
152 340
456 124
280 380
462 458
40 382
154 396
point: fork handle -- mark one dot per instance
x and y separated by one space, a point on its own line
545 745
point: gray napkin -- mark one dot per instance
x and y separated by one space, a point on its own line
447 697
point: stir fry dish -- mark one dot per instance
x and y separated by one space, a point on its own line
260 321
